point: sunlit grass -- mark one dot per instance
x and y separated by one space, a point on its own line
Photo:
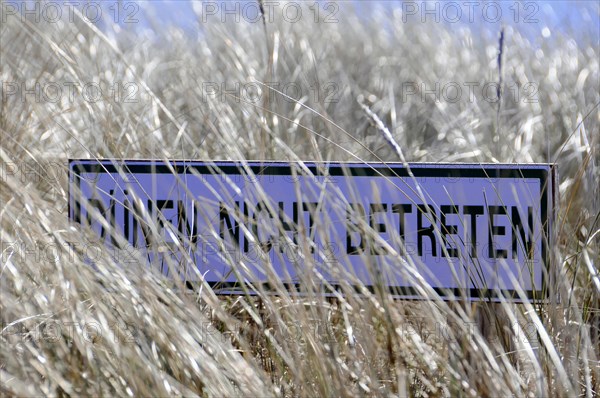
118 329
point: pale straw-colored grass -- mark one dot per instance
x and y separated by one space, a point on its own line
70 329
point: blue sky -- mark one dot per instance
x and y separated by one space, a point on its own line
527 16
578 18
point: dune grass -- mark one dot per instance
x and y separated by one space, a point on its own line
336 92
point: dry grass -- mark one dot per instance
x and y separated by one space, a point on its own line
70 329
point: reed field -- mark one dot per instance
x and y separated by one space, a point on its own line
359 82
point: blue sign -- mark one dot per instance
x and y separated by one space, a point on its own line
475 229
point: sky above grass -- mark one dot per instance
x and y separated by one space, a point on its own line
539 22
578 19
532 18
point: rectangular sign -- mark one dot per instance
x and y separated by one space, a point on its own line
474 229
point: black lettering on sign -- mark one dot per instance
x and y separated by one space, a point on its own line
97 204
374 209
186 227
287 226
519 230
473 212
496 230
422 232
227 225
401 210
311 208
353 229
261 209
448 230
